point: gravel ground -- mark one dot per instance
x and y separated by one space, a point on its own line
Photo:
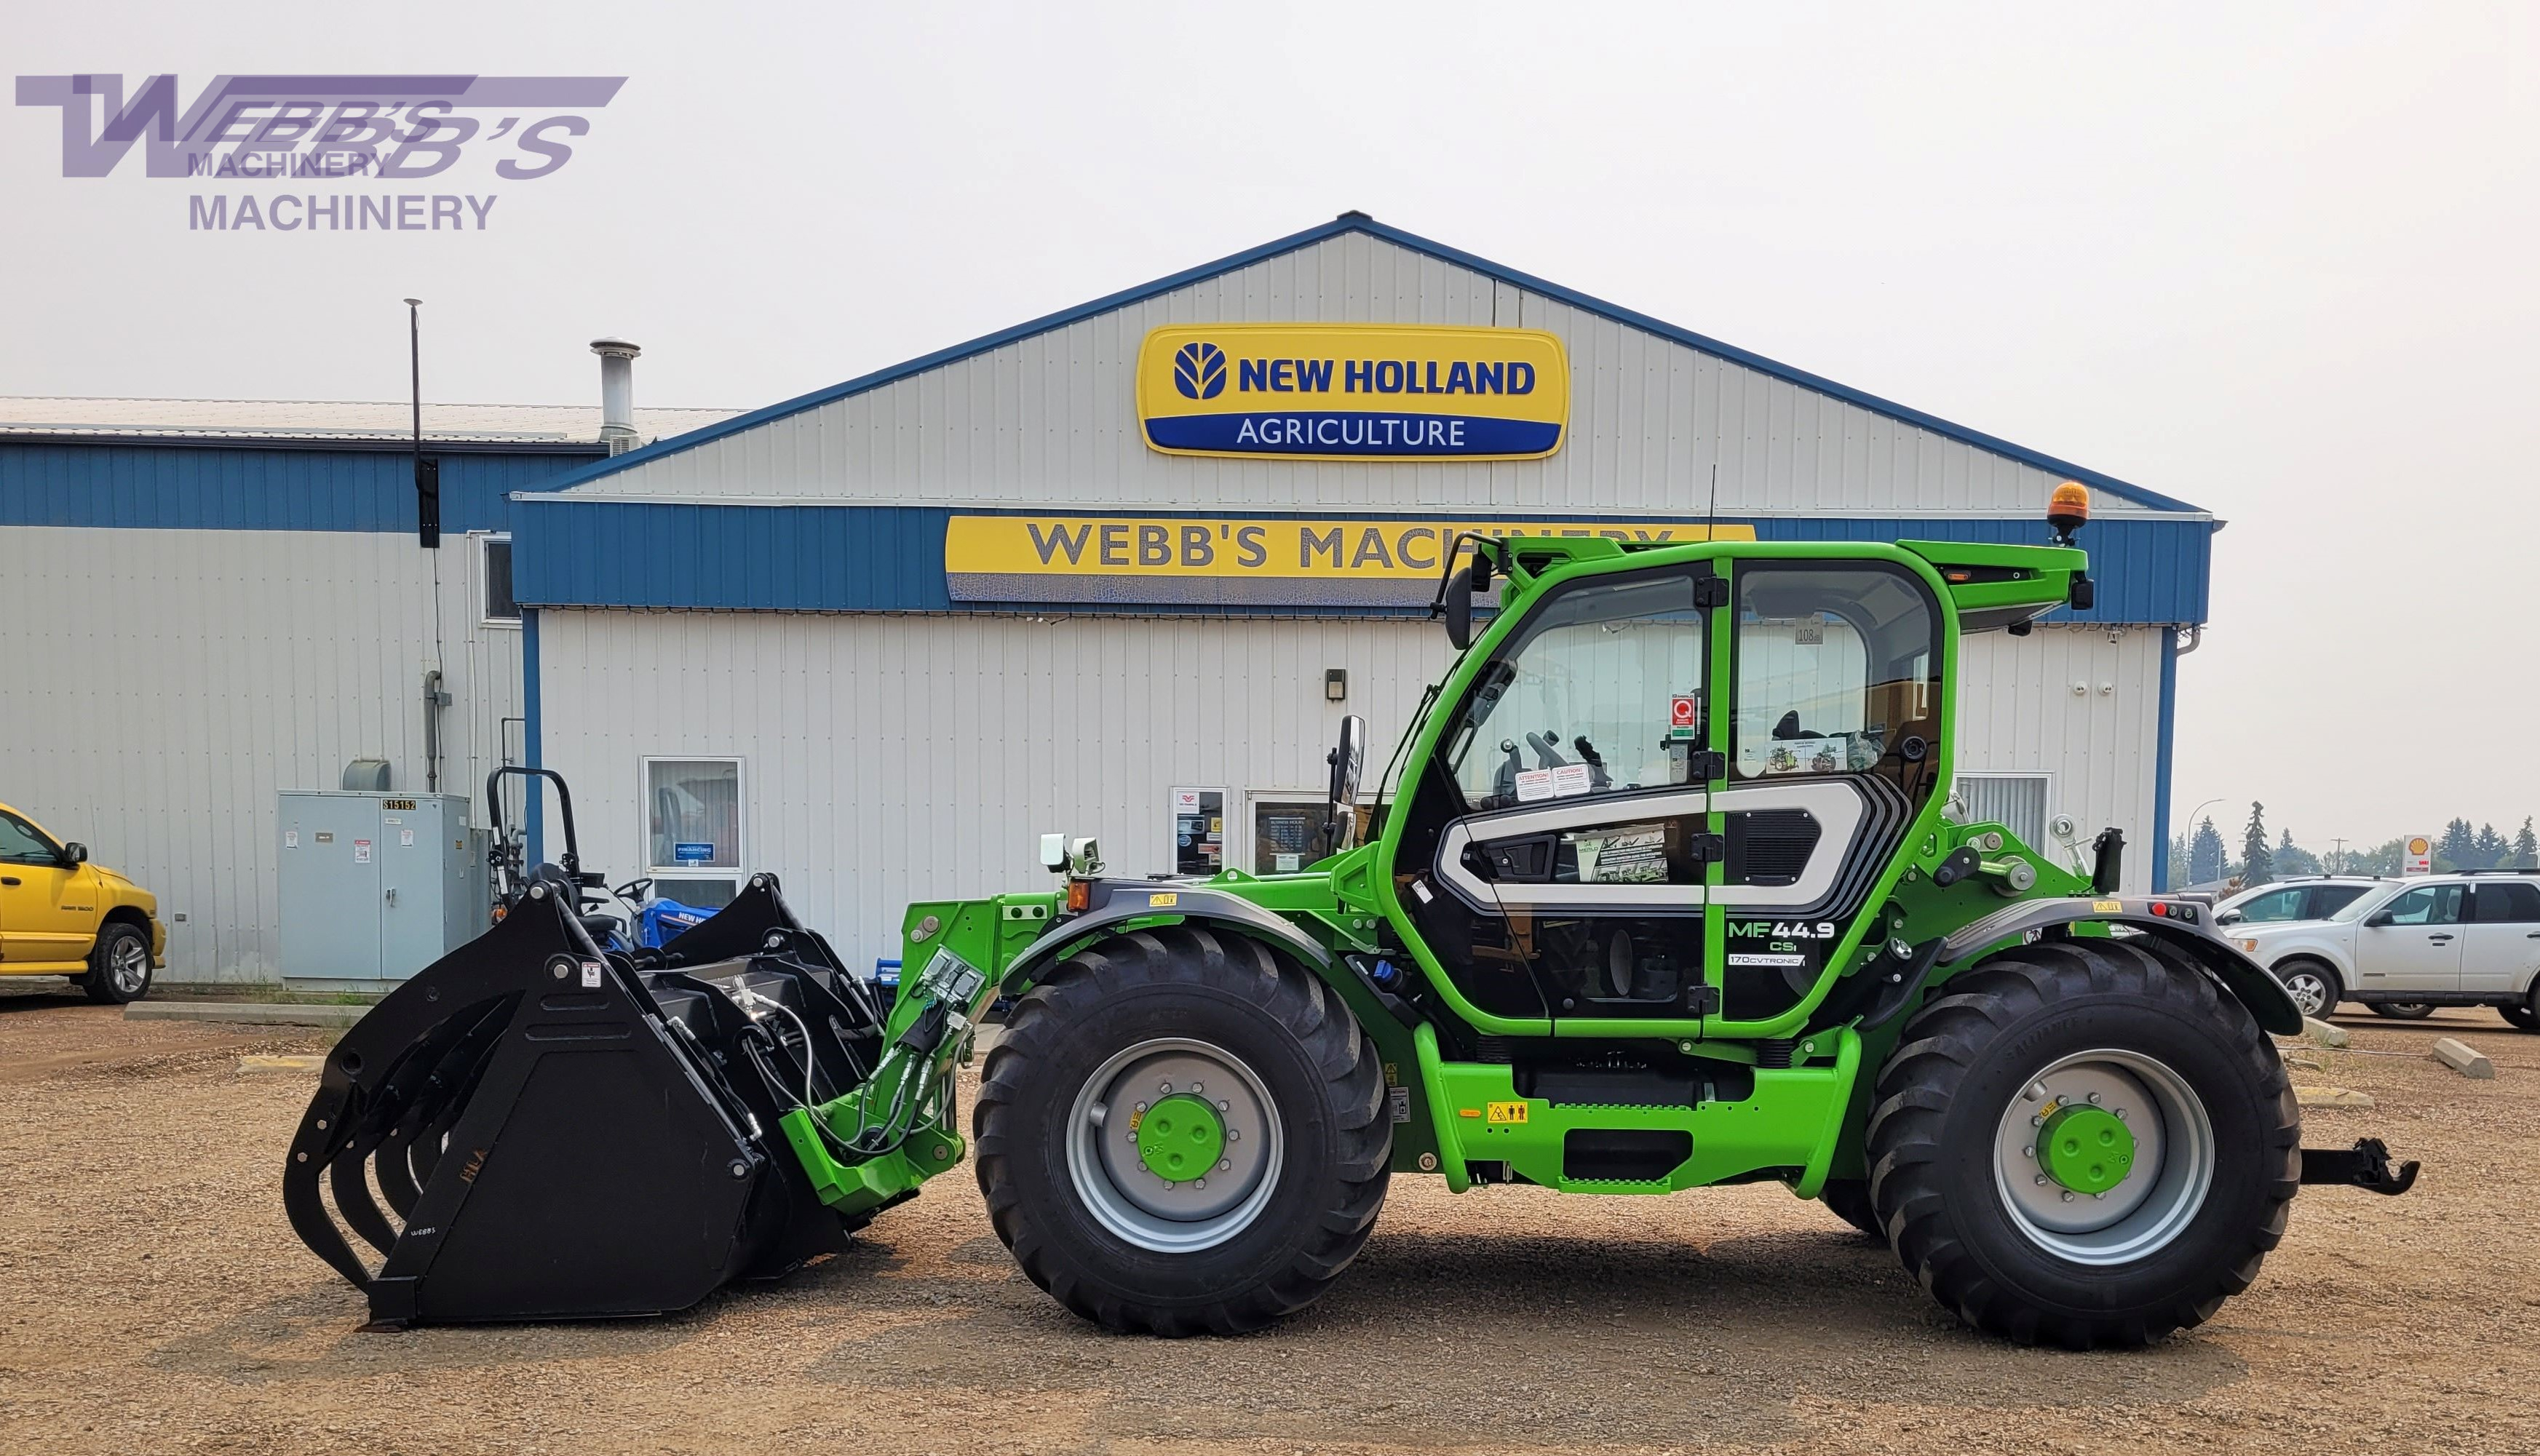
153 1299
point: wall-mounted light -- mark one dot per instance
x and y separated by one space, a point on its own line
1336 684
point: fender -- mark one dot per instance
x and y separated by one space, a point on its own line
1114 903
2187 927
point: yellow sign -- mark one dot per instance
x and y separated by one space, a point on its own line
1506 1111
1353 391
2108 907
1164 900
1237 560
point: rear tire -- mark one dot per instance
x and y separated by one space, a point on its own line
1849 1197
1113 1239
2211 1154
2403 1010
2520 1015
2314 988
118 967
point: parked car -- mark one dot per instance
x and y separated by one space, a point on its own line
2311 897
2405 946
62 916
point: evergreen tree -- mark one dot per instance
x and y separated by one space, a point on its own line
2180 865
2489 848
2292 858
2456 846
2205 854
2257 860
2527 847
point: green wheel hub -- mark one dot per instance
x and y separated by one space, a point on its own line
2085 1148
1181 1138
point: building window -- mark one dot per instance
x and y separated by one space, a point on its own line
2015 801
494 571
692 834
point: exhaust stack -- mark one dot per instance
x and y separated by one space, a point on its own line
616 394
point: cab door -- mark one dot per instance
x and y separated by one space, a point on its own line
2414 942
1560 835
47 907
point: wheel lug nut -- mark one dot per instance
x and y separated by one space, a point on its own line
1196 1090
2121 1114
2067 1198
1169 1086
1225 1164
2028 1150
1199 1183
2041 1180
2094 1100
1223 1105
1234 1135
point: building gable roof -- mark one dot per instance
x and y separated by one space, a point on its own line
1356 221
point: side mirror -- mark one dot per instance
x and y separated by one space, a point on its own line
1460 609
1348 759
2228 917
2380 921
75 853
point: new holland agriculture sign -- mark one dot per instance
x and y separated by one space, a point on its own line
1353 391
1238 561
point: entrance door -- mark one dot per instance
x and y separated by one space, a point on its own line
1570 843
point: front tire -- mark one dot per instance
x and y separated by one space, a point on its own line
1149 1064
119 968
2180 1167
1849 1200
2314 988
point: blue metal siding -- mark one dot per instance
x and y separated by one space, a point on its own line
570 552
226 488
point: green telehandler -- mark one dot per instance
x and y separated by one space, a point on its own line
1663 888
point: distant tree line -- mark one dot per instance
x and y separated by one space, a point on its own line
2200 857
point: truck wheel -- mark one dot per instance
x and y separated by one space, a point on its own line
2084 1143
2520 1015
2312 985
118 969
2403 1010
1849 1197
1181 1130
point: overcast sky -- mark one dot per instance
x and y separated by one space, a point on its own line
2277 260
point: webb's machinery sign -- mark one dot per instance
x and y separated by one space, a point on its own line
1353 391
1238 561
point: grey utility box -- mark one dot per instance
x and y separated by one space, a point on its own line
375 886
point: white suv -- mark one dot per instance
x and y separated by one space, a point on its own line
2407 946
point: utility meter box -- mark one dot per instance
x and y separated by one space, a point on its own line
375 886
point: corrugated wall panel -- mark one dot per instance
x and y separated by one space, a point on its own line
204 672
2082 705
149 487
1051 416
895 758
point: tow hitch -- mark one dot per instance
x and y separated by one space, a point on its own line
2366 1165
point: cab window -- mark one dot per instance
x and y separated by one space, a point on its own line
2426 905
1586 698
1837 670
21 843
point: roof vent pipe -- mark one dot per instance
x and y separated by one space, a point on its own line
616 394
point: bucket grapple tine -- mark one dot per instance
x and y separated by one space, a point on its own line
353 1201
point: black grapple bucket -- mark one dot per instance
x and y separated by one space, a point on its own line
535 1129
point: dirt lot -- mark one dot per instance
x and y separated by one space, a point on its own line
152 1300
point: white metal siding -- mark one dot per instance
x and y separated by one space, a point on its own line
2018 711
1052 418
891 759
162 687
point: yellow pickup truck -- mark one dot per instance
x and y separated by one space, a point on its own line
62 916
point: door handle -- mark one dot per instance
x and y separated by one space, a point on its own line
2439 939
11 879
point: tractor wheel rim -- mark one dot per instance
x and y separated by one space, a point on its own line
2141 1205
1124 1182
2308 991
130 967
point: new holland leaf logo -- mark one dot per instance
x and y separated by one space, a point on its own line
1199 371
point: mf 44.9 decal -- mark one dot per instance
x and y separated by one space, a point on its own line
1781 930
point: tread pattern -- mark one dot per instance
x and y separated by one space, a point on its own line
1352 1083
1944 1043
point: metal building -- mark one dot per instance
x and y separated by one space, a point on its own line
217 600
878 637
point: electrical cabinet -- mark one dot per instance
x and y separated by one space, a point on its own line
375 886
